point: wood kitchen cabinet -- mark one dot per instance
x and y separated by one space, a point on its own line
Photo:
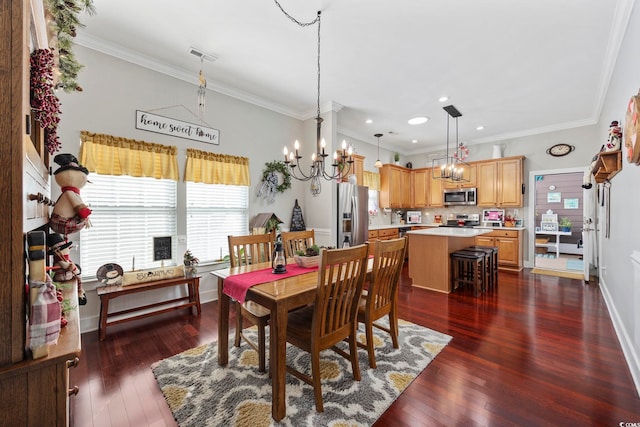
509 244
499 182
426 191
357 169
469 176
395 187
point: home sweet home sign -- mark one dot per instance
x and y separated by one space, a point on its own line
167 126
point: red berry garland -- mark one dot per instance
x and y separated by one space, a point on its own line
44 103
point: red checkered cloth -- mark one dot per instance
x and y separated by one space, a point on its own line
44 314
236 286
66 226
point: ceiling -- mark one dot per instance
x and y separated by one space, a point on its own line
515 67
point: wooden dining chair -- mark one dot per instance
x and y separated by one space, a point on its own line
381 297
297 241
244 250
332 317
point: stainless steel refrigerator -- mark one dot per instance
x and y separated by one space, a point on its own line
352 216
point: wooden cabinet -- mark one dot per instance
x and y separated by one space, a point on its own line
509 244
32 392
499 182
426 191
388 234
357 169
395 187
469 176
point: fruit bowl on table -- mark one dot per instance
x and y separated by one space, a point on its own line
307 261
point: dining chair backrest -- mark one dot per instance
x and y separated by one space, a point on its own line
341 278
250 249
297 241
387 266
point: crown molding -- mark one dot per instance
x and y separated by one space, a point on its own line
134 57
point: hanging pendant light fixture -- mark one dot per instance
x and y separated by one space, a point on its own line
342 159
450 168
378 163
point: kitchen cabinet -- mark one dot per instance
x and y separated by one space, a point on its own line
468 174
509 244
395 187
426 191
357 169
499 182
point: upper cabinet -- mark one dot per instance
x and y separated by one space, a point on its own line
395 187
427 192
499 182
468 176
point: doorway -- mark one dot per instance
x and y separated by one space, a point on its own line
556 215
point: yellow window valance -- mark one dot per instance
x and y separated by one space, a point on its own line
212 168
112 155
371 180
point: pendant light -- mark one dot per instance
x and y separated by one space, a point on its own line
449 167
378 163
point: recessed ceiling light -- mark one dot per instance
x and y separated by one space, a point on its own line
418 120
368 121
480 127
414 141
443 99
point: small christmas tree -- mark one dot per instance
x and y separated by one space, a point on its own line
190 260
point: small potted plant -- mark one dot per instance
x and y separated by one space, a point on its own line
396 158
190 264
565 224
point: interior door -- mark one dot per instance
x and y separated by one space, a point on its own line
589 250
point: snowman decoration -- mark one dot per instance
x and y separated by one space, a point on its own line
615 137
70 214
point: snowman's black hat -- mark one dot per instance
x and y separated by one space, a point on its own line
68 161
56 242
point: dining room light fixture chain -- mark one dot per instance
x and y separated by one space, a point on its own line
342 159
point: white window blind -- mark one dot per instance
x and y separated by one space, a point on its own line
214 212
127 213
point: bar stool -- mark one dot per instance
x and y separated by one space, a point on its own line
492 251
487 274
468 267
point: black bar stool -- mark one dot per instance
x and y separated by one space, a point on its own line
468 267
493 263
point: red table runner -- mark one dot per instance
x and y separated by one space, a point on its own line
236 286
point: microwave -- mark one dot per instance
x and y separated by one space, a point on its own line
459 196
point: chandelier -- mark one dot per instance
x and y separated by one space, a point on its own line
450 167
342 159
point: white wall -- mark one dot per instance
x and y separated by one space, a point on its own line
616 268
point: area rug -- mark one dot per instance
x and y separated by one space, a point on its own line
201 393
575 264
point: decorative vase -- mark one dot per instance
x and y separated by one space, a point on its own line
190 271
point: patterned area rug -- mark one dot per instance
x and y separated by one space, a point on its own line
201 393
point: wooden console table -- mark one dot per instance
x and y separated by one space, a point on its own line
107 293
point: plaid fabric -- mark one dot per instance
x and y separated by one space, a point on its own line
65 226
44 316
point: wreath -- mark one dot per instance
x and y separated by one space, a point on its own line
462 152
271 169
270 185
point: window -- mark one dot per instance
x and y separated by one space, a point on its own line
215 211
127 213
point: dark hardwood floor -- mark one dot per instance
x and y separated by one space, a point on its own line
540 350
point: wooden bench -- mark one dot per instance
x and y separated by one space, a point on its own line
110 292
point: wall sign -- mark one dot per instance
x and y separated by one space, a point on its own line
167 126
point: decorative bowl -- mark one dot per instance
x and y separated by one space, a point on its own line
307 261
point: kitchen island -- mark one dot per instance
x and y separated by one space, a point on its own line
429 251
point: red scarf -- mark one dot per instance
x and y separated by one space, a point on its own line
69 188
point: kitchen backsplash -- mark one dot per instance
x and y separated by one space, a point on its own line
385 218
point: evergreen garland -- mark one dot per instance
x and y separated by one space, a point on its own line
66 20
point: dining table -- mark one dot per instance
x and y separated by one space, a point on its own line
280 295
